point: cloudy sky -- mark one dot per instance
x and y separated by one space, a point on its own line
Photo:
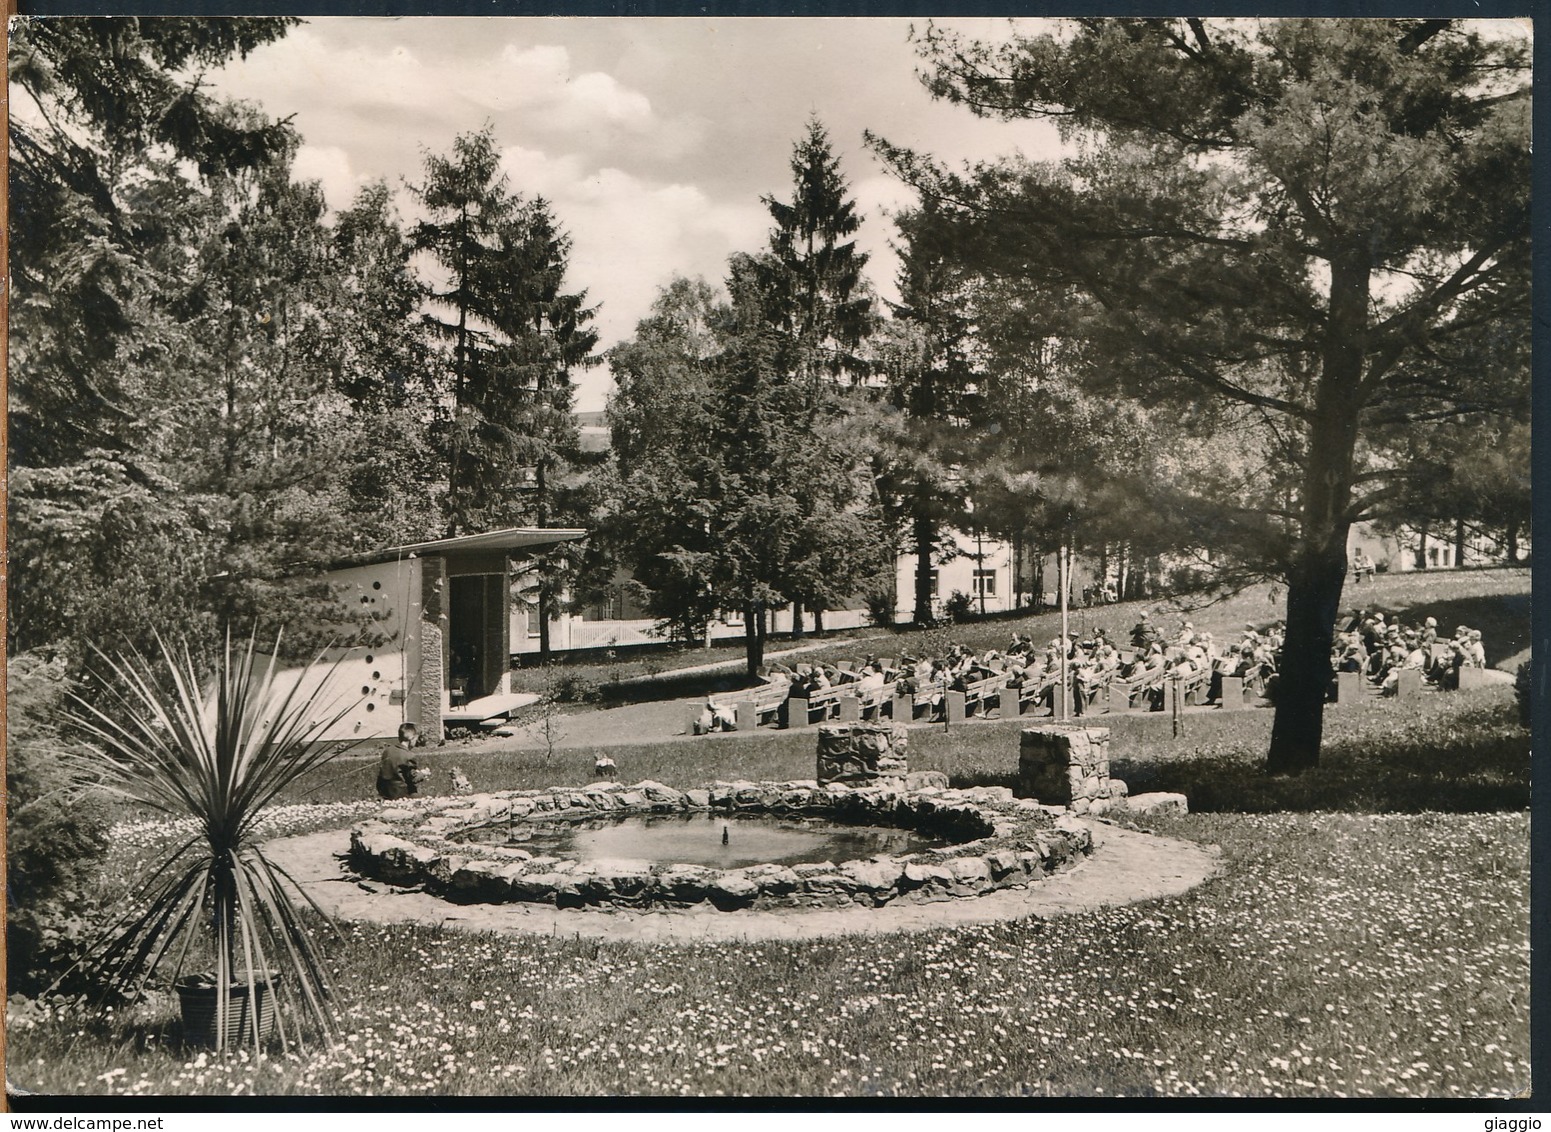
654 138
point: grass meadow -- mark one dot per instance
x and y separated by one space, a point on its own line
1368 937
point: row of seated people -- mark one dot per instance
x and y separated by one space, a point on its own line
1092 662
804 681
1381 650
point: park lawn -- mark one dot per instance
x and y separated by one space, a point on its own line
1494 600
1359 942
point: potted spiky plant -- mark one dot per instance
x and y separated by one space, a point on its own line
216 754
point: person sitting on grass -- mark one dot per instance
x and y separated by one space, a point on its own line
716 717
398 771
603 767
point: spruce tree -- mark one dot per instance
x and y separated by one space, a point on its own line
468 234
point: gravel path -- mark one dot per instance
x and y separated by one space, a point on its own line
1125 867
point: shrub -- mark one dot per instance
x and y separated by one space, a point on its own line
571 688
959 606
880 608
56 832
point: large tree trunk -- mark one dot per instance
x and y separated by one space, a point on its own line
1017 571
543 616
1511 541
753 640
1459 543
1318 569
796 620
924 530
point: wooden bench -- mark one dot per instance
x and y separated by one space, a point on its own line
958 705
1098 693
1192 688
870 701
1135 691
752 707
903 705
1016 701
798 710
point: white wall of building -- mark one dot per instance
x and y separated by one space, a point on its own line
371 684
980 567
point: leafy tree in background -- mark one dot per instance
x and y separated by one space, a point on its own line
393 481
663 376
727 499
1297 217
258 433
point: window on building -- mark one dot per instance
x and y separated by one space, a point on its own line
985 583
934 583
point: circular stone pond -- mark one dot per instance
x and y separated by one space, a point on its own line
730 845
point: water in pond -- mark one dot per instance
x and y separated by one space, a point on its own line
724 841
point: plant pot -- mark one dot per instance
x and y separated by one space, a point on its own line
197 1001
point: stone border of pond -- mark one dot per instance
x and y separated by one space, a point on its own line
997 842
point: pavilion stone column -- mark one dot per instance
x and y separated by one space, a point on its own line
431 732
1068 766
433 648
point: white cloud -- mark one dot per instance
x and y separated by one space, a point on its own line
330 165
528 90
631 235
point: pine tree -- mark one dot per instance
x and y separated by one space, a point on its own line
1297 218
810 294
114 148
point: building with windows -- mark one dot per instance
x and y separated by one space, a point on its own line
1444 548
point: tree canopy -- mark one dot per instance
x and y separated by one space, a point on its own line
1294 221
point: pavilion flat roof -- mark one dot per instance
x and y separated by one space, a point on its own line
513 538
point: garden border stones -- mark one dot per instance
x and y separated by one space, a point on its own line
1000 842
